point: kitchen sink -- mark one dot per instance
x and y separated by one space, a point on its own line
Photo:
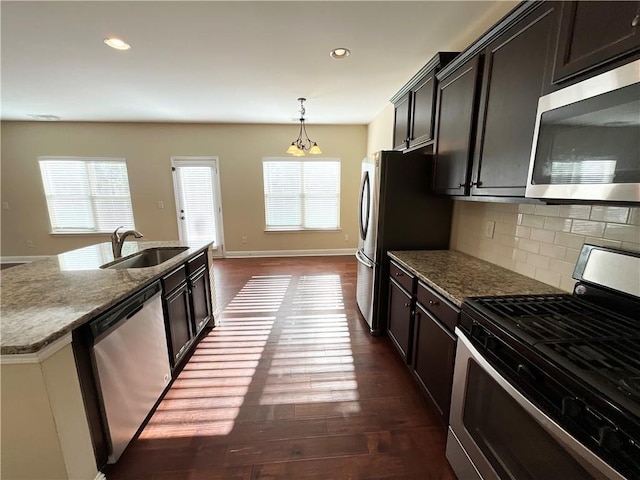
147 258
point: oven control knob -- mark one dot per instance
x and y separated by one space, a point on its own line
609 438
580 289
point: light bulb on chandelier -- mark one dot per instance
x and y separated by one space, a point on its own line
301 144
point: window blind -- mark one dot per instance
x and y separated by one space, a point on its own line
302 194
87 195
196 188
593 170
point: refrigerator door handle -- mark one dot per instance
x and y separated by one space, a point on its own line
364 222
363 259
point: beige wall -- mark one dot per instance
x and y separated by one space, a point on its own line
380 131
148 149
541 241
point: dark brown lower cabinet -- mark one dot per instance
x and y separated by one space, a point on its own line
178 317
187 306
434 355
200 299
400 320
421 326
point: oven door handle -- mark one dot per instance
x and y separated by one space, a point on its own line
465 351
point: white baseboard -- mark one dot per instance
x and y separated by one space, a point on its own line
23 259
290 253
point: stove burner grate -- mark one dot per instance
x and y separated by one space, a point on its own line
557 317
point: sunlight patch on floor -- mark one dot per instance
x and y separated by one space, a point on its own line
314 342
207 396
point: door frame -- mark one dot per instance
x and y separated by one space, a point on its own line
213 162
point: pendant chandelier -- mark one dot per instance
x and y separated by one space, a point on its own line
301 144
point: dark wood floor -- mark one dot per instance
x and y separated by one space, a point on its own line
290 385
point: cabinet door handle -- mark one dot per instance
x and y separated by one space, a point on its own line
407 305
399 274
461 185
635 21
434 303
476 184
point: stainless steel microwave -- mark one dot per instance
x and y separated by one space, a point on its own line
586 142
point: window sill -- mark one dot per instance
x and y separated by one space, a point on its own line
83 234
303 230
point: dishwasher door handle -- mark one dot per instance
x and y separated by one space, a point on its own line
123 311
134 311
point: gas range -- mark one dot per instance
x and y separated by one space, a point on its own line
574 357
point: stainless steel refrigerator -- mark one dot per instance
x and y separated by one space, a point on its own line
396 212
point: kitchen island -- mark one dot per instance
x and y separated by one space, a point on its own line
45 431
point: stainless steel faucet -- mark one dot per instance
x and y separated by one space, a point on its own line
117 240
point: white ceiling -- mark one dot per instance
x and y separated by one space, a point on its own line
210 61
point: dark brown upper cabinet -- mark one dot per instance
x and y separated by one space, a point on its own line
455 116
401 122
414 106
422 110
487 102
593 33
514 77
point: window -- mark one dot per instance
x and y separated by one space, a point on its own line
86 195
301 194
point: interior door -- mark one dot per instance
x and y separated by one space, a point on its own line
197 193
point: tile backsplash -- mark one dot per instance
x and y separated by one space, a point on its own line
541 241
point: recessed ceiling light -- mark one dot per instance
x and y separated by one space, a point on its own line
339 53
50 118
117 43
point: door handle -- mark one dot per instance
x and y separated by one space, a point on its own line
364 223
363 260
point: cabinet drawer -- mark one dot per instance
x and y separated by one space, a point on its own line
438 306
195 263
173 280
402 276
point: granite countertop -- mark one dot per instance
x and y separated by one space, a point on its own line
457 275
44 300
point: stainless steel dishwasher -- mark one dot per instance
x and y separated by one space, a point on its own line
131 363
